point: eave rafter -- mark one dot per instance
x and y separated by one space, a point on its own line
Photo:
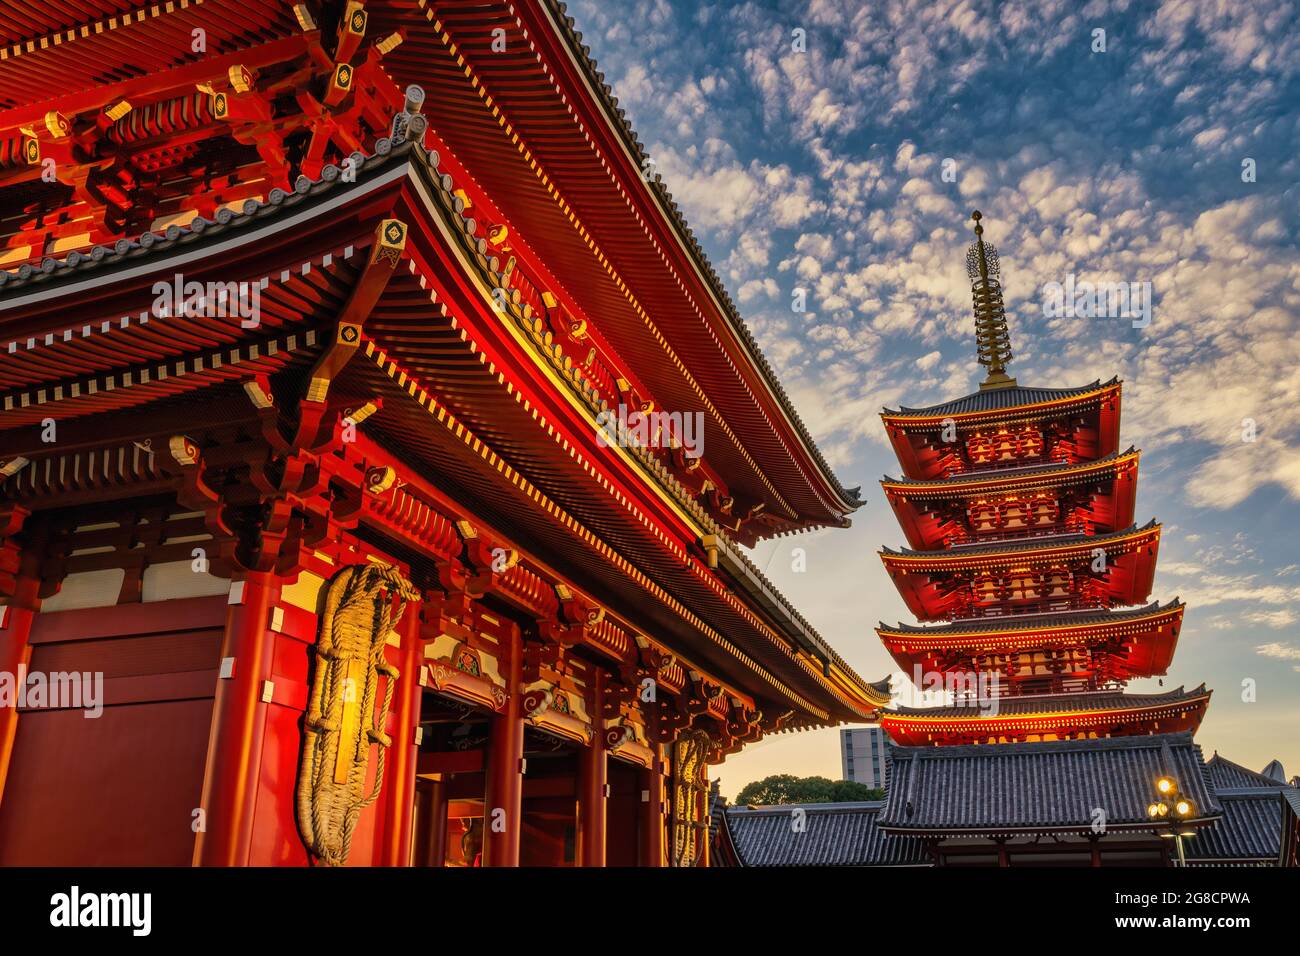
460 35
461 436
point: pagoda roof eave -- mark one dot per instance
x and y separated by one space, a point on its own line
479 469
1089 620
795 481
995 480
998 403
1043 707
1016 549
79 274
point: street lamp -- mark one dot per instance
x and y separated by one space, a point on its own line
1169 803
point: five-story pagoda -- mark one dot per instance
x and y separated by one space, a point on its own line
1018 508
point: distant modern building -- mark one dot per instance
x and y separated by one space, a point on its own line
863 757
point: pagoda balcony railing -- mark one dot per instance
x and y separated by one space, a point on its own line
1062 530
1058 530
1003 689
1020 609
989 469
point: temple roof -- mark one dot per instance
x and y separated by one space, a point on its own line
1044 543
1226 775
1034 622
149 245
1040 787
560 106
992 400
1025 704
883 686
834 834
1251 828
618 118
282 210
1046 470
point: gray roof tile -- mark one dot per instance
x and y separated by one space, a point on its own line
833 834
1056 785
1251 828
1226 775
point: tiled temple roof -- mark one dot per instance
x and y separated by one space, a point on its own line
1026 704
832 834
623 126
1027 622
1251 828
1040 787
1226 775
150 246
992 400
883 686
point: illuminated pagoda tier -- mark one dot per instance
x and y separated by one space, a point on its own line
309 315
1017 504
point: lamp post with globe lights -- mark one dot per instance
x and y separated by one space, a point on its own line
1170 808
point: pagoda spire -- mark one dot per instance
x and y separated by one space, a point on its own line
992 340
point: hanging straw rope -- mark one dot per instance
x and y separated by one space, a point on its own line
359 614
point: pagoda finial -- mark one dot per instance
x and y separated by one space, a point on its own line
992 340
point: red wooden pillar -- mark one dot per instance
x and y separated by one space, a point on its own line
15 655
399 801
593 780
431 842
503 803
652 814
238 723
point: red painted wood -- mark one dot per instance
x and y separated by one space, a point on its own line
130 620
593 776
238 727
15 653
505 757
120 788
652 816
399 797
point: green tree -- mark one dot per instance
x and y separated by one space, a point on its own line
785 788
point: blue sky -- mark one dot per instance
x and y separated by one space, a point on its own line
822 170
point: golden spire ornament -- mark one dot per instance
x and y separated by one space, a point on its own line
992 340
